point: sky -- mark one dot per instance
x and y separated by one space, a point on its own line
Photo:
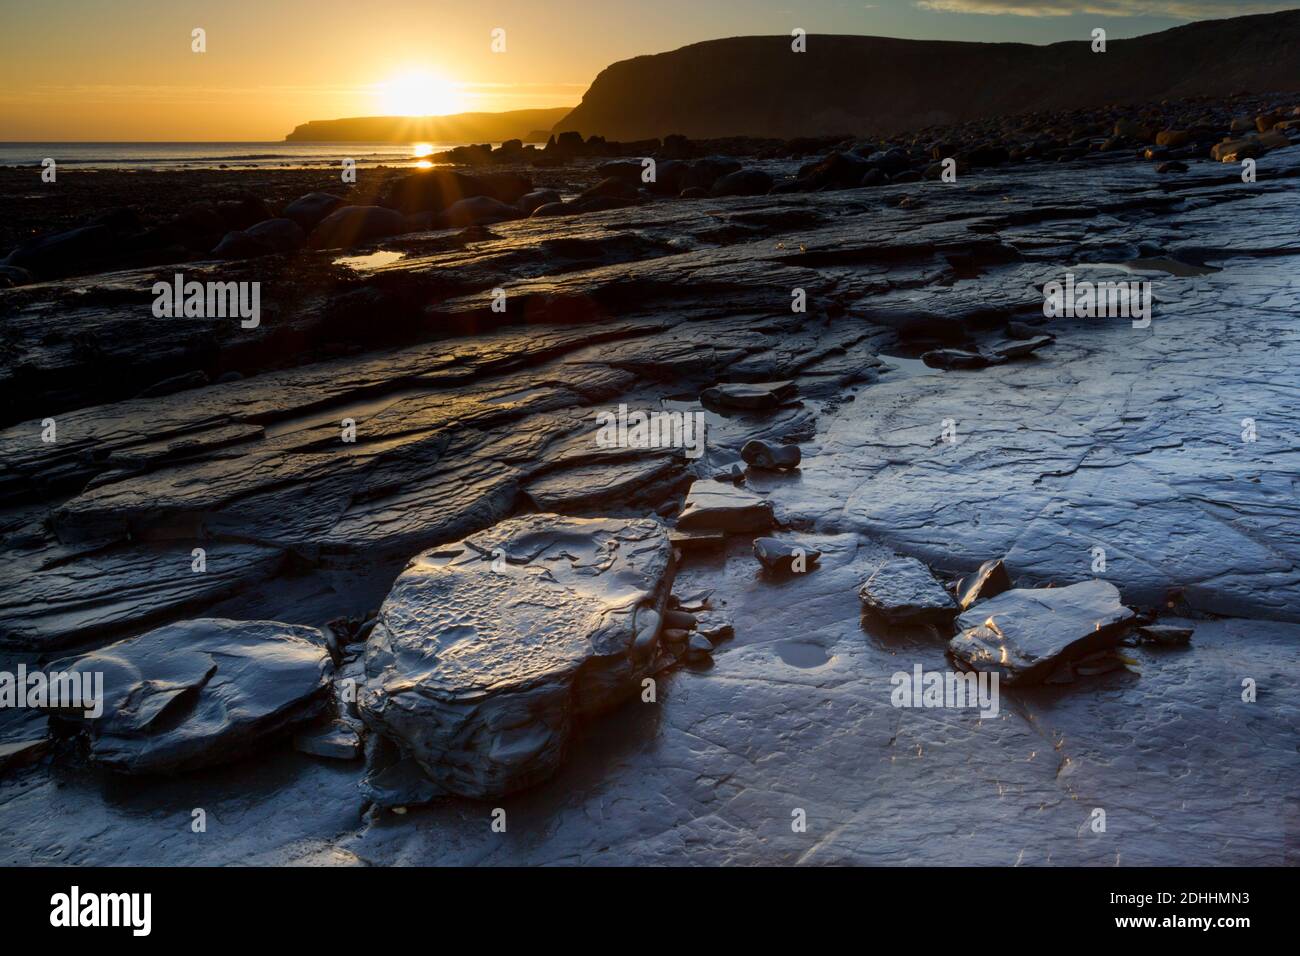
125 70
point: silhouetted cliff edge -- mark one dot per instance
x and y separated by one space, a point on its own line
756 86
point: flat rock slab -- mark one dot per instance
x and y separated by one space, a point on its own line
721 506
750 395
903 591
201 692
488 648
1024 633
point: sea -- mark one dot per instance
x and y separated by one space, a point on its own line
215 155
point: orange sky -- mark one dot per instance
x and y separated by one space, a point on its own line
123 69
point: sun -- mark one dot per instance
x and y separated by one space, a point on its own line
419 93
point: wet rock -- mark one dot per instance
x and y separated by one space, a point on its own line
959 359
1019 348
743 182
760 454
611 188
177 383
1166 635
334 741
1024 634
201 692
720 506
354 225
476 211
784 556
699 649
750 395
24 737
1173 166
279 235
602 484
487 649
703 173
307 211
903 591
697 540
553 209
531 202
989 581
431 191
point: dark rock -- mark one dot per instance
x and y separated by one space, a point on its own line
699 649
531 202
432 191
488 649
476 211
958 359
1024 634
611 188
553 209
280 235
354 225
721 506
760 454
989 581
743 182
703 173
177 383
307 211
903 591
1019 348
334 740
783 556
201 692
749 395
1166 635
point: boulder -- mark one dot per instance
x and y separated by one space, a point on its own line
201 692
1024 634
721 506
281 235
703 173
354 225
488 650
903 591
503 187
610 188
531 202
743 182
760 454
264 238
432 190
476 211
307 211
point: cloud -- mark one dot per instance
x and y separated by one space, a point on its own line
1180 9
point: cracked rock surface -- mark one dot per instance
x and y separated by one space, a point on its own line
488 649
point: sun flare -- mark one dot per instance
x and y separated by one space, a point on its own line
419 93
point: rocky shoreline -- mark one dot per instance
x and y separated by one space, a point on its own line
379 523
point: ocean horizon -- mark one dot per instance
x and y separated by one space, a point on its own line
213 155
